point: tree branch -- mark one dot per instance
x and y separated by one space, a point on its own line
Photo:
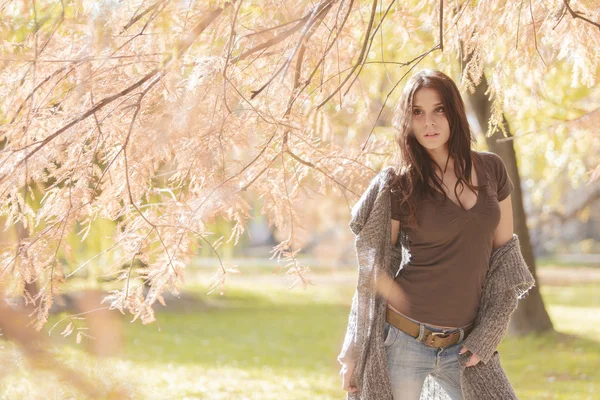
321 60
139 16
183 45
577 14
441 25
360 57
418 60
535 34
317 15
273 41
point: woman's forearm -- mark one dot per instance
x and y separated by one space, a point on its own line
390 290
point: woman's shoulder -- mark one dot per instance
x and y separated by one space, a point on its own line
498 173
487 156
391 177
388 172
492 162
379 182
387 176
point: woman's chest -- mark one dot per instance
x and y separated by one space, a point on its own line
439 220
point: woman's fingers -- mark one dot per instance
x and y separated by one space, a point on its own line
473 359
350 389
346 373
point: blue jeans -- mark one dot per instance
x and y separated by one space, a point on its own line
411 361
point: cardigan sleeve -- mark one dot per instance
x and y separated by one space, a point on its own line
360 218
362 209
508 280
491 325
348 354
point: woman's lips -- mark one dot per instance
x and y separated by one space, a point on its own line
431 135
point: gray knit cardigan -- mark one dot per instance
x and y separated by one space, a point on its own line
508 279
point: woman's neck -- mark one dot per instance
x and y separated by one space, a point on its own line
441 157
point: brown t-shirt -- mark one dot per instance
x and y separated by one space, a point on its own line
450 249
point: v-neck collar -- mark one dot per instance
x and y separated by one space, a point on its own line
480 191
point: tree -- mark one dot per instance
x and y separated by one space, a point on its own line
226 101
530 315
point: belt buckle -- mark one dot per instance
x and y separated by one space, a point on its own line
443 334
428 339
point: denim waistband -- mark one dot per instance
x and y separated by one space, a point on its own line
431 328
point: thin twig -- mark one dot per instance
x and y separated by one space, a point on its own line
159 72
271 42
518 25
361 57
369 47
563 12
442 25
418 60
535 34
231 41
322 59
137 17
317 14
577 14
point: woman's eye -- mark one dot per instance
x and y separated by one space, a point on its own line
418 112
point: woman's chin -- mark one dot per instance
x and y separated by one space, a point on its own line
430 145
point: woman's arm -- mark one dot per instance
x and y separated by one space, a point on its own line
395 231
497 317
348 352
504 230
385 285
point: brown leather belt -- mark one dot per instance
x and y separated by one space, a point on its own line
430 338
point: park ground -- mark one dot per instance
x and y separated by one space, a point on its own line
261 340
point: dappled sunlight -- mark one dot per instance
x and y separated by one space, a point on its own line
577 320
179 185
261 340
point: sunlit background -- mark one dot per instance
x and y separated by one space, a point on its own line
256 301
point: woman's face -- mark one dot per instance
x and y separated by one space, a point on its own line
429 122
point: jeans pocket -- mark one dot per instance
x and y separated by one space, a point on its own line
390 335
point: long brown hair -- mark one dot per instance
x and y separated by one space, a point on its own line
414 166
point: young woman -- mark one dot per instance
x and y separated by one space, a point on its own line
452 205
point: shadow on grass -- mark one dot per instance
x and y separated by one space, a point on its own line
299 333
554 362
243 329
288 336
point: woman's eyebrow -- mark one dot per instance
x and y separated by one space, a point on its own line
436 104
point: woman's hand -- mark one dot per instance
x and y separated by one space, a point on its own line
474 360
346 374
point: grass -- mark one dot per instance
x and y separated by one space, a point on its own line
263 341
554 262
564 364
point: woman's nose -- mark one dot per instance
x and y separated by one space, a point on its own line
428 120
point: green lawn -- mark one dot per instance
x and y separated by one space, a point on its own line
263 341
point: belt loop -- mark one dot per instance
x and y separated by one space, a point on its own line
421 332
462 335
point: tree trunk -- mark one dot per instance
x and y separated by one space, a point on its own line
530 315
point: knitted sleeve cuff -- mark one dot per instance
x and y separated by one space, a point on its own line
491 325
348 354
